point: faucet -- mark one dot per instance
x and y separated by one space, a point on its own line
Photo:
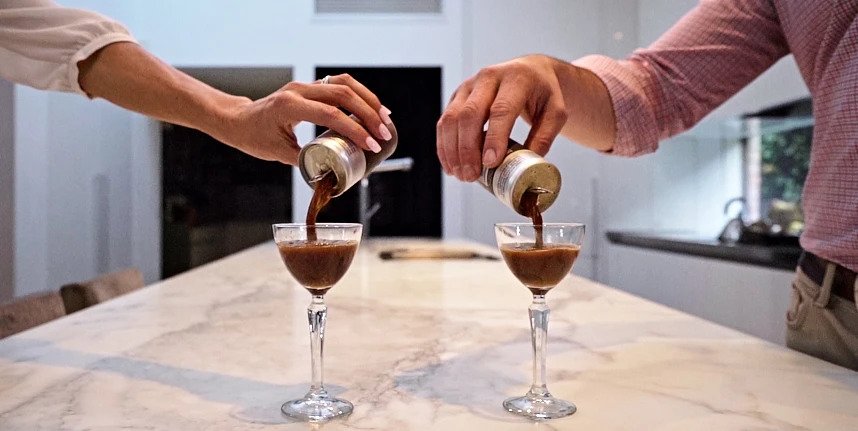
732 232
365 210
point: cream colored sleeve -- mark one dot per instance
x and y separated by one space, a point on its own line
42 42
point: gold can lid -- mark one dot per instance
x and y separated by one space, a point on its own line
544 177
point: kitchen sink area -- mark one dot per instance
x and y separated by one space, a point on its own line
765 222
777 256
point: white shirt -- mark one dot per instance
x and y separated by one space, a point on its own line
41 42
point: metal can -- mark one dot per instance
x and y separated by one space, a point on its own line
332 152
520 171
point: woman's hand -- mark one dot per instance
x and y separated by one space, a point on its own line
264 128
526 86
131 77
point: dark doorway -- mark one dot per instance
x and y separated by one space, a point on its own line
217 200
410 201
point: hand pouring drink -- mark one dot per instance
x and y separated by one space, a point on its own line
318 255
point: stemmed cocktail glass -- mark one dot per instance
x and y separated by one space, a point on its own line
540 257
317 256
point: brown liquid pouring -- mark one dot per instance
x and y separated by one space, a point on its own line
530 206
318 264
321 196
539 266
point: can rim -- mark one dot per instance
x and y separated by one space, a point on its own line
340 170
544 225
317 225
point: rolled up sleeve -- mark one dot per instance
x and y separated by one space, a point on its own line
41 43
710 54
633 97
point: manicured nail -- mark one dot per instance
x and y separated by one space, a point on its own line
489 156
385 115
373 144
385 132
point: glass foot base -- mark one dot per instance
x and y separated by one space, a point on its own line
316 409
539 407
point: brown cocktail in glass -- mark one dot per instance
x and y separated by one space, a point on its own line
540 256
317 256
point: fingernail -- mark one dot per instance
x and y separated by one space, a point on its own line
372 144
385 132
489 156
385 115
469 172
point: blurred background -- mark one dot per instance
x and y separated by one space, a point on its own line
87 188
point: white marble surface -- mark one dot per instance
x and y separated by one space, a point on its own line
415 345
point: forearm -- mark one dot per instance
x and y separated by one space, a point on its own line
590 121
660 91
127 75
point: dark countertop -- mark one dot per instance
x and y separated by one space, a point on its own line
778 257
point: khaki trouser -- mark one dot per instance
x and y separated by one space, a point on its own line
821 324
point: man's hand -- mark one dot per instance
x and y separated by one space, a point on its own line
264 128
546 92
498 94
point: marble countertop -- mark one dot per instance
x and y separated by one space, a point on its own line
414 345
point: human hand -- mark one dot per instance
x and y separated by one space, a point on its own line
264 128
129 76
527 86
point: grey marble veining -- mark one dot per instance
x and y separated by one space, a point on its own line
414 345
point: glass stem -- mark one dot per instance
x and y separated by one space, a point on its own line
317 314
538 312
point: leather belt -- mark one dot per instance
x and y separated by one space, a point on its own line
844 279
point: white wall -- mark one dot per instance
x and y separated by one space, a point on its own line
73 189
145 196
7 190
76 155
31 191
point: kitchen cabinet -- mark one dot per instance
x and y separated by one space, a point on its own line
751 299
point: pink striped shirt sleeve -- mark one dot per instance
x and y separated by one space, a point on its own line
709 55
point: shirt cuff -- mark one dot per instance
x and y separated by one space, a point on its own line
90 48
637 132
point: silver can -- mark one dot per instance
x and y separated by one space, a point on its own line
332 152
520 171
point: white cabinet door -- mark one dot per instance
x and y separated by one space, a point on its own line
749 298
